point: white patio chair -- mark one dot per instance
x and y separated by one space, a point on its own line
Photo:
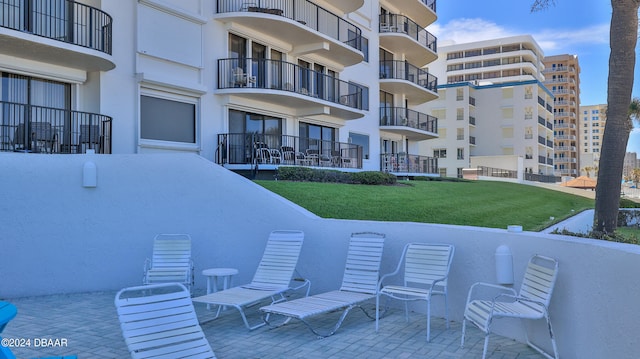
171 261
532 302
271 280
159 321
359 284
426 271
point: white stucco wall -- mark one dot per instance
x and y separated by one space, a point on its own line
60 237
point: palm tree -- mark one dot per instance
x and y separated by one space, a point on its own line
588 170
622 41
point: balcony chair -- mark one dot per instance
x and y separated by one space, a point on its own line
532 302
159 321
426 272
41 137
90 138
271 280
171 261
288 155
359 284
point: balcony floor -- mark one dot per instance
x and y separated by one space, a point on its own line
89 323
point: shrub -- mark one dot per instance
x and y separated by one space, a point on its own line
373 178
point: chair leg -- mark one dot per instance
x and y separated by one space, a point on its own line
428 321
464 327
486 343
377 311
446 309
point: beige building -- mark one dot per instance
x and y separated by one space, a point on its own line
562 77
493 104
590 133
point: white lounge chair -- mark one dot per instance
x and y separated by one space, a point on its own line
158 321
426 271
171 261
271 280
359 284
531 303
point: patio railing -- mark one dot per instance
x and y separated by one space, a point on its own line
264 149
285 76
401 116
496 172
62 20
402 70
27 128
303 11
393 23
406 163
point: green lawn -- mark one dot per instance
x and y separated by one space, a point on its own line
477 203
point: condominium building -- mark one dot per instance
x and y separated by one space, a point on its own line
562 77
631 162
493 105
593 119
249 85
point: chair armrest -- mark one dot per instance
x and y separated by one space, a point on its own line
489 285
305 283
388 275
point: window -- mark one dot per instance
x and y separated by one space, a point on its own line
460 155
167 119
460 133
460 114
442 172
316 137
440 153
459 94
459 172
360 140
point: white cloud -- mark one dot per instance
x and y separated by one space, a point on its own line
465 30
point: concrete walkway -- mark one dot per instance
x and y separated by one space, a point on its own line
89 325
580 223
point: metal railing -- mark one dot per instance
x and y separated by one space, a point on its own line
541 178
400 116
402 70
401 24
303 11
431 4
263 149
27 128
62 20
285 76
406 163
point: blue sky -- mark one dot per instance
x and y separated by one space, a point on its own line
579 27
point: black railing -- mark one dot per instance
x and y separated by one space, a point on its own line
431 4
26 128
496 172
542 140
285 76
304 12
404 25
402 70
400 116
406 163
541 178
263 149
62 20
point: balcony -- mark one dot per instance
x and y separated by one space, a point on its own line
307 92
59 32
36 129
422 12
310 29
414 125
472 140
402 77
400 34
402 163
243 151
346 6
565 148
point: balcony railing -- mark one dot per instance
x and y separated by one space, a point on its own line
262 149
496 172
431 4
402 70
393 23
26 128
285 76
400 116
304 12
406 163
61 20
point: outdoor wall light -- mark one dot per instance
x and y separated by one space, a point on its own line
504 265
89 175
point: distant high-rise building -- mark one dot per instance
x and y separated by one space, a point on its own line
590 133
493 105
562 77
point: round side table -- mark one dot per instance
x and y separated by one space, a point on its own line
214 274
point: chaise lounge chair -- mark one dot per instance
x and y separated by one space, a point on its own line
359 284
271 280
171 261
532 302
158 321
